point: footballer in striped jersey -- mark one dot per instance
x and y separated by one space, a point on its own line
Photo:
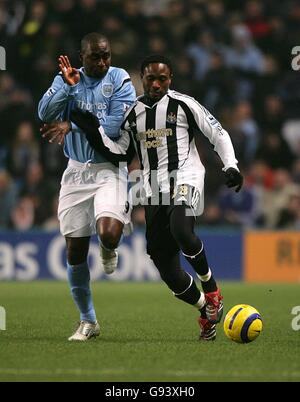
161 127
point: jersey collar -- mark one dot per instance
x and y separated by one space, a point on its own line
143 99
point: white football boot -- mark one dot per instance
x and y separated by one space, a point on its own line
108 260
85 331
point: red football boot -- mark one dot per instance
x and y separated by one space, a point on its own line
207 330
214 306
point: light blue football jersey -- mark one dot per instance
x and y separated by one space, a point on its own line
107 98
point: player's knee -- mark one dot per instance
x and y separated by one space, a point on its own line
167 277
161 262
110 231
159 258
173 277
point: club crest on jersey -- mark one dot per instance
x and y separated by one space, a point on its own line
171 118
107 90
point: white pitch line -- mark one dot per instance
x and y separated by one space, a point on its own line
233 374
44 372
113 372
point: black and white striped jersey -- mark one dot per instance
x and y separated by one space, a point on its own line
163 137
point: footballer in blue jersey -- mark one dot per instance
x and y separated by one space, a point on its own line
93 195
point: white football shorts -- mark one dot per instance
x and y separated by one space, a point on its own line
91 191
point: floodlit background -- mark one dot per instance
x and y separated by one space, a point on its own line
236 58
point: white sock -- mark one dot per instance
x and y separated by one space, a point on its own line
201 302
206 277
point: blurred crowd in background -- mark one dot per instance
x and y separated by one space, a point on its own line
232 56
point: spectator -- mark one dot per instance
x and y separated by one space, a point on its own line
219 85
216 19
122 38
40 190
245 58
176 22
291 133
22 215
14 101
256 21
245 132
278 197
200 52
240 209
274 150
183 81
289 216
8 197
25 150
271 115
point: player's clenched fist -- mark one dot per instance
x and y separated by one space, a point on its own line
234 179
70 74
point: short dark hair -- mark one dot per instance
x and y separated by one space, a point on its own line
156 58
93 37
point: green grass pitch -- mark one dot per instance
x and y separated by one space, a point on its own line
147 335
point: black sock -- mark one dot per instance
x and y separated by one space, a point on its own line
200 265
203 312
209 286
190 295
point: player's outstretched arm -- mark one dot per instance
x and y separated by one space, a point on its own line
114 151
54 102
206 123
